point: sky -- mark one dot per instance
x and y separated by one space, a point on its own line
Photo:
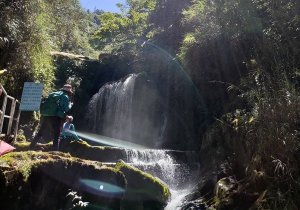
106 5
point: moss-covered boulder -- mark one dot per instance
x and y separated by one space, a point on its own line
25 146
84 150
80 149
56 180
39 180
154 192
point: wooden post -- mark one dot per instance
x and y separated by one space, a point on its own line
11 115
3 108
16 126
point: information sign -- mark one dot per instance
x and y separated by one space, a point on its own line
31 96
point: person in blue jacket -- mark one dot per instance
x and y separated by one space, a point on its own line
53 111
68 133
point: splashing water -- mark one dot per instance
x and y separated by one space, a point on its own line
110 108
159 163
156 162
177 197
128 109
178 177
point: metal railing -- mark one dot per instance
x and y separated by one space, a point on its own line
13 115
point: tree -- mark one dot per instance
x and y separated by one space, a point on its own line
123 32
31 30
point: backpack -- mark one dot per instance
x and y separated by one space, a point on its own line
50 104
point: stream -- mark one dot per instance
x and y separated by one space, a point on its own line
179 175
125 110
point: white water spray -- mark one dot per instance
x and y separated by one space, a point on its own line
156 162
161 165
110 109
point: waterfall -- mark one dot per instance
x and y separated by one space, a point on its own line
156 162
110 110
132 111
180 177
143 111
128 109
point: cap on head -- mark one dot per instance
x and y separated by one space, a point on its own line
67 88
69 118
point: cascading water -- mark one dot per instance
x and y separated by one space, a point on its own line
111 108
128 109
156 162
117 112
179 177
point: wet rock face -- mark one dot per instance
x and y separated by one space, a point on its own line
224 187
224 194
55 180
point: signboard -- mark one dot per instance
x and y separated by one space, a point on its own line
31 96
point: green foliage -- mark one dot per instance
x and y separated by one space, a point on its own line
13 30
21 161
166 30
118 33
20 136
243 57
245 53
31 30
72 27
191 14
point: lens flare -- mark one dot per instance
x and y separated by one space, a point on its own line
107 141
101 188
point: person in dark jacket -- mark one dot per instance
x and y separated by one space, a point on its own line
53 111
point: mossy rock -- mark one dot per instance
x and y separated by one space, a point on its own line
83 150
154 190
80 149
231 195
41 180
25 146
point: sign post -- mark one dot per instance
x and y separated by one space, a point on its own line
31 99
31 96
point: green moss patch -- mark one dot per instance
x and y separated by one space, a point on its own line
99 153
25 161
25 146
153 188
